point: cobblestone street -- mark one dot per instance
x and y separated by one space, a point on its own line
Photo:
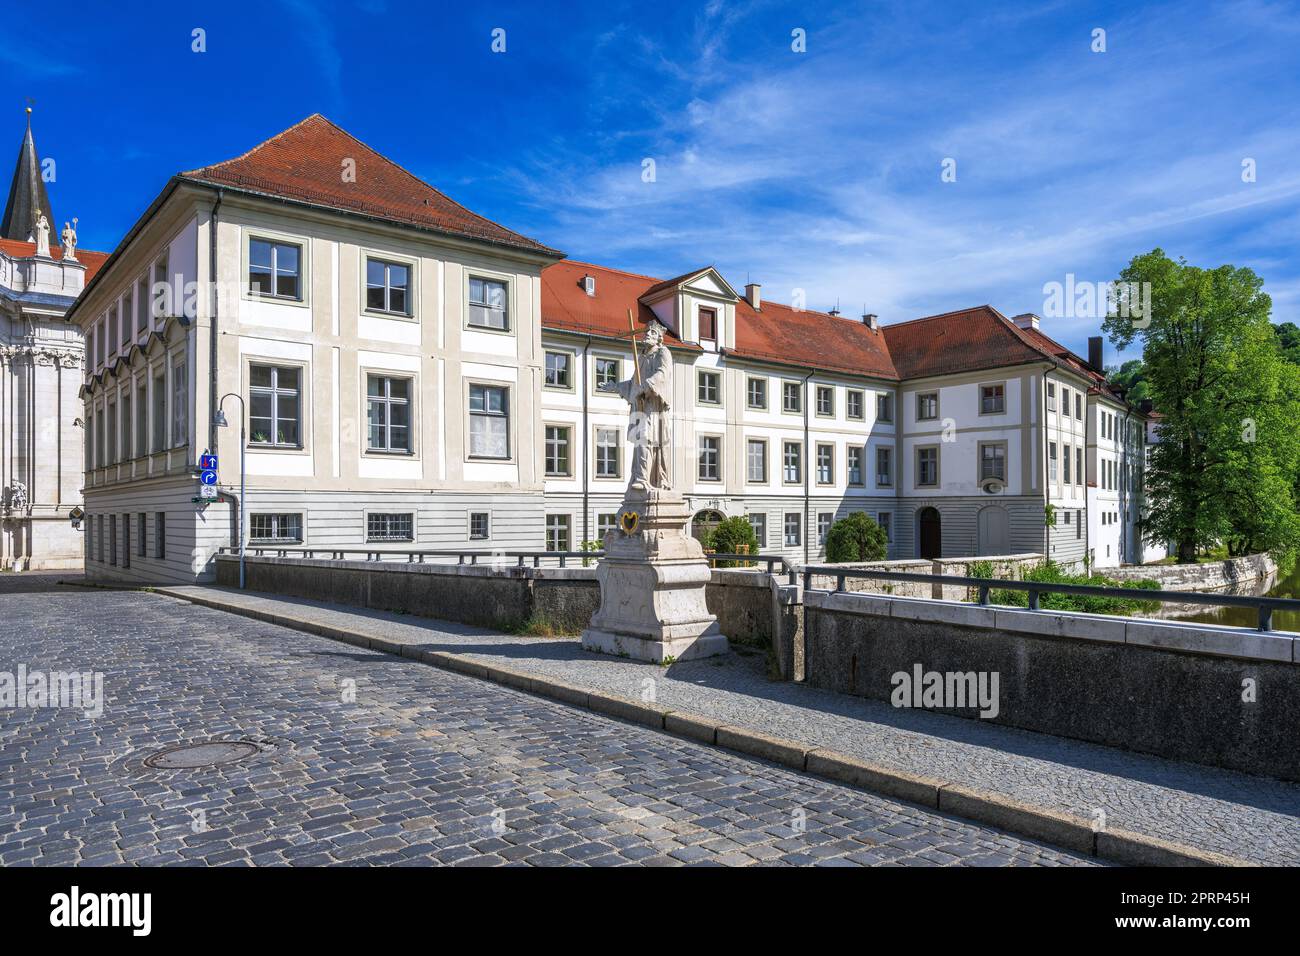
364 758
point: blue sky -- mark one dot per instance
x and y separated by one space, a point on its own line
817 170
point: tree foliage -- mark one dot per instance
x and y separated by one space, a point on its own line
856 538
733 535
1225 467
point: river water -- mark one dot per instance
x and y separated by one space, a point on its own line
1288 587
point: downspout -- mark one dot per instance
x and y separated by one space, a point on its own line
1047 477
809 526
213 389
586 441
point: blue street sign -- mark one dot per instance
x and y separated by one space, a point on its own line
207 477
208 462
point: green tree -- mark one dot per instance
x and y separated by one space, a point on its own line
1131 376
1288 338
856 538
733 535
1224 470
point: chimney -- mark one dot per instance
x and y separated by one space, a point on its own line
834 311
871 321
589 284
1026 320
754 295
1094 352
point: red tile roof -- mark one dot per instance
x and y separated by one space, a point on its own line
961 341
24 250
304 163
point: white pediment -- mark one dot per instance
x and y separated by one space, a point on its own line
709 282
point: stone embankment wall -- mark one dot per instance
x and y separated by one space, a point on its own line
1235 573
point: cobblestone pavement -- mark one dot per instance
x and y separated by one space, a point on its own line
423 767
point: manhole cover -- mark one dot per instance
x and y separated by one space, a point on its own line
214 753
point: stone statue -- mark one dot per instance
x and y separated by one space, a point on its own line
17 498
69 236
650 425
42 235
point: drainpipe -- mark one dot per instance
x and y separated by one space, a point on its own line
586 440
1047 488
807 460
212 327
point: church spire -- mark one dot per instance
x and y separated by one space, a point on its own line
26 193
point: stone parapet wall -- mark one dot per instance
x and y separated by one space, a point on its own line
1210 576
1004 566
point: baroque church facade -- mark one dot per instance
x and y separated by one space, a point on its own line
41 365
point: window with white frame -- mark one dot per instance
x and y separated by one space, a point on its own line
558 438
854 455
388 414
180 404
480 525
1051 397
927 406
389 526
559 370
793 529
884 407
853 405
756 393
142 304
557 533
161 303
758 522
128 421
709 388
1051 461
158 397
607 371
275 528
141 419
488 304
112 433
756 460
791 397
886 522
708 325
606 522
608 453
1066 456
826 401
825 464
388 286
824 521
275 269
884 467
993 399
792 463
275 405
1078 462
993 461
489 421
927 467
710 456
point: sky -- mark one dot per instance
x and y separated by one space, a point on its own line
800 145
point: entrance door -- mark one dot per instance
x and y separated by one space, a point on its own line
931 534
994 531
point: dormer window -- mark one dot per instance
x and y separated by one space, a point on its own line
589 285
708 325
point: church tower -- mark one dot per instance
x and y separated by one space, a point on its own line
26 193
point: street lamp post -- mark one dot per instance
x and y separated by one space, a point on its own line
220 419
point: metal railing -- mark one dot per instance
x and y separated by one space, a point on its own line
1263 606
517 559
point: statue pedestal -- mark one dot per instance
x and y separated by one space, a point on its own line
652 584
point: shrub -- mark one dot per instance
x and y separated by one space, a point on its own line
856 538
1051 573
733 536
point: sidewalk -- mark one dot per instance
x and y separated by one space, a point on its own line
1123 806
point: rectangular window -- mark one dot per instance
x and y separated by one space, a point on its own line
825 464
824 520
826 401
90 538
557 370
388 414
886 522
479 525
708 325
1078 524
557 532
488 304
993 461
927 406
99 539
759 523
927 467
112 539
390 527
274 269
884 467
161 289
710 458
160 534
112 332
557 450
101 458
126 541
275 528
141 537
756 460
489 422
853 405
91 360
854 455
606 371
608 449
159 399
1065 401
793 529
1051 397
791 397
708 386
142 304
756 393
606 523
112 433
388 287
1078 406
141 419
993 399
885 408
1078 461
792 463
275 405
1067 464
128 420
180 404
1051 461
